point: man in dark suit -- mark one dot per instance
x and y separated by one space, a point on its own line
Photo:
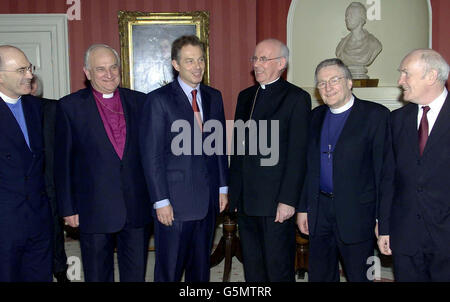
187 182
414 216
25 216
99 180
265 185
341 191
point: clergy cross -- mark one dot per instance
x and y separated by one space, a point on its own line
329 152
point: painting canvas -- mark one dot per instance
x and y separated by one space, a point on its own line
146 40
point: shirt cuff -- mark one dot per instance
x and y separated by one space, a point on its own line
223 190
161 203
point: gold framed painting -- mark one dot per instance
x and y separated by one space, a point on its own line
145 45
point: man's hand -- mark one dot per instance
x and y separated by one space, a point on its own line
165 215
72 221
223 201
302 222
284 212
384 245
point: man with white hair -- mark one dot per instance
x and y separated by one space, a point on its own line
414 216
265 196
25 219
100 184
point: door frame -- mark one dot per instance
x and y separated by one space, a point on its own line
56 24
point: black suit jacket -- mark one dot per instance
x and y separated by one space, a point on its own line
190 182
24 206
357 165
91 180
416 189
260 188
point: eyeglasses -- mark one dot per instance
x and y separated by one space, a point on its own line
332 82
262 59
23 70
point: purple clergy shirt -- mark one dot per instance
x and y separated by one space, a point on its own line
113 118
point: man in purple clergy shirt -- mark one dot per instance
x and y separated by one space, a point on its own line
99 180
340 195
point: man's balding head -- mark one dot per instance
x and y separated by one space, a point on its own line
15 72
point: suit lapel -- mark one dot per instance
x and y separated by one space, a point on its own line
126 113
33 125
10 127
410 126
95 120
316 126
441 126
206 103
352 123
182 101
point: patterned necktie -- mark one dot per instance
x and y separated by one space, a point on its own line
423 129
196 110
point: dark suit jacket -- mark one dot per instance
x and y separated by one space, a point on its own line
91 180
48 128
24 205
357 165
261 188
416 189
190 182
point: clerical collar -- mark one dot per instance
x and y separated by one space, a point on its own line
9 100
263 86
105 95
344 108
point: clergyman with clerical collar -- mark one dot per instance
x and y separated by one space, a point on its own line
99 179
265 196
341 190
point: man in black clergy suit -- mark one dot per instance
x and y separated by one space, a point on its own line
264 187
25 216
99 180
341 191
414 222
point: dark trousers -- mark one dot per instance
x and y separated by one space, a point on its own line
26 254
185 246
97 252
325 247
268 248
59 252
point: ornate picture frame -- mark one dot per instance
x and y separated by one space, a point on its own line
145 45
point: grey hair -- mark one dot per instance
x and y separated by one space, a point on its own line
91 48
284 50
333 62
40 86
434 61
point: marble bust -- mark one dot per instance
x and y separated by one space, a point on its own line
359 48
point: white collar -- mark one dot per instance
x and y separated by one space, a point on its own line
9 100
438 102
347 106
108 95
263 86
